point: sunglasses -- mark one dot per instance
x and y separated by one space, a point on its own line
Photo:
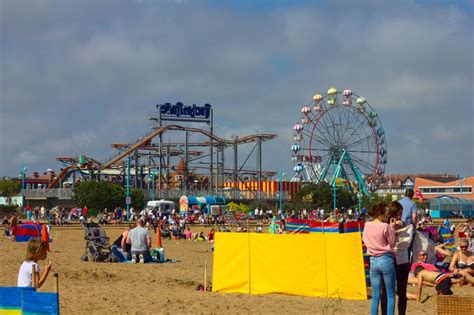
463 246
423 254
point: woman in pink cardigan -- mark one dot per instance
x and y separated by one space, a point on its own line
379 238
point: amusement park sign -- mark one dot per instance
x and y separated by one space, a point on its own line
180 111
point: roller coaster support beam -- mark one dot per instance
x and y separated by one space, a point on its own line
235 175
211 155
127 199
186 161
259 167
136 169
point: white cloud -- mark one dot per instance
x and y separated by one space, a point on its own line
80 77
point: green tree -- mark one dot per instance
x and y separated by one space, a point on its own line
137 199
345 198
322 195
99 195
8 189
306 192
368 201
232 206
243 207
254 204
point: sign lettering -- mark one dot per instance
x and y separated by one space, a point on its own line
180 110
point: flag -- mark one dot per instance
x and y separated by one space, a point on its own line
340 182
45 237
272 228
420 196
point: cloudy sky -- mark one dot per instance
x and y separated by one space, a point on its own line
76 76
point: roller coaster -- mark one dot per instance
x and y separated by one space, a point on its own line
176 166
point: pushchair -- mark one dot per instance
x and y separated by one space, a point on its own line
97 244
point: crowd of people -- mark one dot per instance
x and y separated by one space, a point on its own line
404 246
396 261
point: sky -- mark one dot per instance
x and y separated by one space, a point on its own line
76 76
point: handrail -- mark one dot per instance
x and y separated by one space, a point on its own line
68 193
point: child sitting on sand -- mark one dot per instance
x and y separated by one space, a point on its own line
35 251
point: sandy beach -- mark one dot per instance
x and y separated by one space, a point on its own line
117 288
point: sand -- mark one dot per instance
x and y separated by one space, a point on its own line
114 288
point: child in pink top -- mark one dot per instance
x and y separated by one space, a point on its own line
379 238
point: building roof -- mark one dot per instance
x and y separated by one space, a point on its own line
468 182
441 178
397 181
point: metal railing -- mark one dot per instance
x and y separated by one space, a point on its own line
227 194
60 193
68 193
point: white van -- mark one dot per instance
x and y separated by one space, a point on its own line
165 206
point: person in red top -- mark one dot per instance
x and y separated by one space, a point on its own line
210 236
84 211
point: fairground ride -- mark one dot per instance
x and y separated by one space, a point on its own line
339 139
164 156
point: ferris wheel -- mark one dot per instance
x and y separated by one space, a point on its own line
339 139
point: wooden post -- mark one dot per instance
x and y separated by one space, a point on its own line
205 276
33 275
56 282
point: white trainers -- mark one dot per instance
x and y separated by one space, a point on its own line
142 259
134 258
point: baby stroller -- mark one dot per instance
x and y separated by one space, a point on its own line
97 244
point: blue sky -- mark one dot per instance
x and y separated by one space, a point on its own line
76 76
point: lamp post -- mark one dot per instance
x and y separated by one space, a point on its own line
195 184
460 191
359 197
127 191
153 172
281 190
24 169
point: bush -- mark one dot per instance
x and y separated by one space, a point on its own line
5 210
99 195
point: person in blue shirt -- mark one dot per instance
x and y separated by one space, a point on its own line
409 215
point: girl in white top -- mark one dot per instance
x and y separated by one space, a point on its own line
36 250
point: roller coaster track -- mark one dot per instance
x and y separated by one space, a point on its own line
145 141
59 176
171 152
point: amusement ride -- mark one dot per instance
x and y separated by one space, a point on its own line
339 139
